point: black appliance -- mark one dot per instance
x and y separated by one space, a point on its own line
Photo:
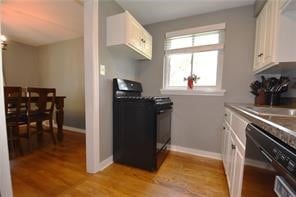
141 126
279 155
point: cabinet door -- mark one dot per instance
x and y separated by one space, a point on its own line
225 137
238 169
231 164
229 155
271 26
260 39
147 44
267 25
139 39
257 43
134 34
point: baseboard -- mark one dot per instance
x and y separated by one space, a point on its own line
212 155
65 127
74 129
196 152
107 162
218 156
258 164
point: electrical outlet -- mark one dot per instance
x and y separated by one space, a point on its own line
102 70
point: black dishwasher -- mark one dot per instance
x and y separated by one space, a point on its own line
275 153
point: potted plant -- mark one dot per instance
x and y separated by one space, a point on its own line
190 79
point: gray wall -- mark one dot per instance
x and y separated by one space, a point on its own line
117 65
59 65
20 63
197 120
62 67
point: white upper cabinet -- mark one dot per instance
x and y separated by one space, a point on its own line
266 36
275 42
126 33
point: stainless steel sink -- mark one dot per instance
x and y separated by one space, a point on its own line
270 111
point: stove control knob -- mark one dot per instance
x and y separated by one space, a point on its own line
283 157
274 150
291 166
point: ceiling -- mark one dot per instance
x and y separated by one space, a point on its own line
152 11
40 22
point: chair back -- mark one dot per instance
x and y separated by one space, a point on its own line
41 101
13 106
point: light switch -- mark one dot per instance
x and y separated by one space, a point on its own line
102 70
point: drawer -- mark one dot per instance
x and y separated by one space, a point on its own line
238 125
227 115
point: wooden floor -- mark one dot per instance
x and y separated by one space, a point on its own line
60 171
50 169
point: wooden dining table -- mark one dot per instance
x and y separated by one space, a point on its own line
59 110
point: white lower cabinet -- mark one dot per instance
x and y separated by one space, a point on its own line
233 154
237 168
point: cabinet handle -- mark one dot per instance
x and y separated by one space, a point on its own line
233 146
224 128
260 54
225 115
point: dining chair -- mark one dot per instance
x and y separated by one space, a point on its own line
41 103
15 112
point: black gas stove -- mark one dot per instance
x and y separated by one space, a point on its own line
141 126
160 102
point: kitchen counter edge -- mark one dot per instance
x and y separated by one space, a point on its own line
281 132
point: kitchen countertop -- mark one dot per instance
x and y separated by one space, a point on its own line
284 128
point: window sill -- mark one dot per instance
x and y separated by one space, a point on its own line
197 92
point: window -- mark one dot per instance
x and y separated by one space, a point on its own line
197 51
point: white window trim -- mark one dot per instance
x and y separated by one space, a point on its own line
202 91
196 91
196 49
196 30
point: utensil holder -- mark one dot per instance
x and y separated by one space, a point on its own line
273 99
260 98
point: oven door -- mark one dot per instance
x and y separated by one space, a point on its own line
163 131
163 135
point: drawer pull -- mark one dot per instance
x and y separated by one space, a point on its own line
260 54
233 146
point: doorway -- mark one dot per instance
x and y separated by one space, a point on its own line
91 60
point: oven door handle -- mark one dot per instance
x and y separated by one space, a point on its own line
266 155
163 111
160 111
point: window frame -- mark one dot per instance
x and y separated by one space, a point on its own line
198 90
